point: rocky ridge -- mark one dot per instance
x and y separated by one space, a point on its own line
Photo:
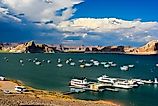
30 47
149 48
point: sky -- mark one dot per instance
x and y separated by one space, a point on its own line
79 22
146 10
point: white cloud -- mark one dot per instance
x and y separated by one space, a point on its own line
104 25
135 30
5 14
43 10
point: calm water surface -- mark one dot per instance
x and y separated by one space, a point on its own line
50 77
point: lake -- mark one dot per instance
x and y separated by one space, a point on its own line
48 76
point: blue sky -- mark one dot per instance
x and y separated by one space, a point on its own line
125 9
79 22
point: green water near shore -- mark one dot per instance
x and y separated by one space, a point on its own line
50 77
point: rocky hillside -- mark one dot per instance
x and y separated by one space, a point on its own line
149 48
29 47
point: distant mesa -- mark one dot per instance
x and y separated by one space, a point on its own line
30 47
149 48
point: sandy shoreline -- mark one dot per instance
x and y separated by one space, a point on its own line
40 97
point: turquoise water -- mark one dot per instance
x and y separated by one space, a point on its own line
50 77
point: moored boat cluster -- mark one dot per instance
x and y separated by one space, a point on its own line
36 61
105 82
82 63
89 63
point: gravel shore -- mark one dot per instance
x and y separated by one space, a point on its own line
25 99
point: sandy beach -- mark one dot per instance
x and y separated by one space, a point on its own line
39 97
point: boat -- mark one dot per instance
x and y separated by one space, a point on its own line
110 62
131 66
106 65
155 81
67 61
132 83
76 90
113 65
138 81
21 61
59 65
122 84
38 63
72 63
124 68
91 60
112 89
48 61
96 63
70 59
82 66
80 61
88 64
59 60
147 81
106 79
103 62
79 83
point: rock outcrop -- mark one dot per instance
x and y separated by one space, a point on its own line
31 47
1 46
116 49
149 48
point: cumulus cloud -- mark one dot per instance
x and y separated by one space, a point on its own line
100 29
5 14
43 10
104 25
44 13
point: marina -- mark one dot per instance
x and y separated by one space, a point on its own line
109 83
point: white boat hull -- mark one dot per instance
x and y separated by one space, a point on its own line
123 87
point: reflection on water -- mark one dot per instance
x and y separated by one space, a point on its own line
155 86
